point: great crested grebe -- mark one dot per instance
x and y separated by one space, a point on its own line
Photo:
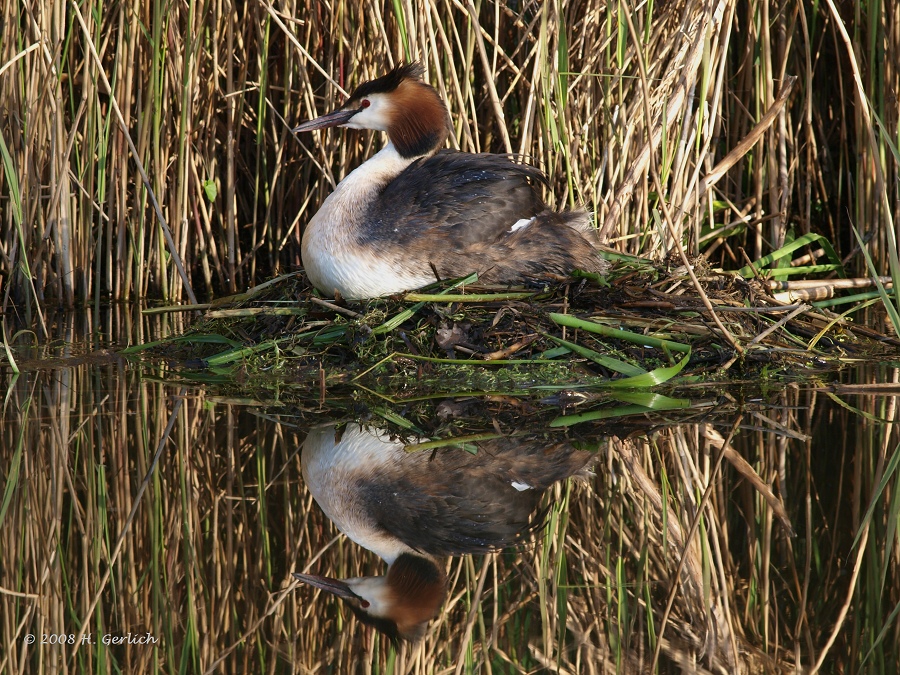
413 509
413 213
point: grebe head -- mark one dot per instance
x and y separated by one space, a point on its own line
401 604
400 103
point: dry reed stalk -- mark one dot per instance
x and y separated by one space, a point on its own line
554 81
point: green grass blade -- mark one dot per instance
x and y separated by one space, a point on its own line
394 418
15 197
889 470
635 338
802 270
395 321
605 361
464 442
664 403
9 355
653 378
233 355
203 338
475 297
889 306
749 271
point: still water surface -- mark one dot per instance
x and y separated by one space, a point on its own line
152 518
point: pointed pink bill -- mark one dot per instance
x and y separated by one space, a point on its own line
334 586
333 119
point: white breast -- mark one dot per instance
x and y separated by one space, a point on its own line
356 274
332 258
331 470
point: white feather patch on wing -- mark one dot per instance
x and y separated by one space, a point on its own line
520 224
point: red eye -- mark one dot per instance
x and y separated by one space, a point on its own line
364 103
364 603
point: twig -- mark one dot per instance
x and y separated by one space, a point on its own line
831 283
333 307
748 141
800 310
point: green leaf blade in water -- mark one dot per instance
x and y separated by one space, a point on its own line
640 403
635 338
653 378
606 361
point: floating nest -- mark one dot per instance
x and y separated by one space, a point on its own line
642 325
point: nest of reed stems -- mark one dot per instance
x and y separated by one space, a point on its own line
641 318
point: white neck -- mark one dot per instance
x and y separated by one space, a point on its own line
370 176
351 198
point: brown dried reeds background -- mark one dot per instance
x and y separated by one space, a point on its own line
199 98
